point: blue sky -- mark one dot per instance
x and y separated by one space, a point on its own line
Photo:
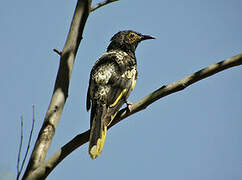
193 134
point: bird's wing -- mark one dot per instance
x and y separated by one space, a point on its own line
88 100
121 84
111 82
100 77
113 73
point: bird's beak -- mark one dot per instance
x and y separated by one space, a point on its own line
145 37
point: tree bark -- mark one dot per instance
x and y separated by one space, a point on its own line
34 169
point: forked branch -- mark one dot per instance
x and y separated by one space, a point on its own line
102 4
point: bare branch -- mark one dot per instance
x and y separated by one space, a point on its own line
20 148
60 92
19 171
30 138
178 86
142 104
102 4
57 51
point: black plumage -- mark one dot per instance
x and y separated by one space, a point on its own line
112 79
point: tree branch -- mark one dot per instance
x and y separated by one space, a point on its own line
57 51
60 92
102 4
178 86
81 139
20 148
19 171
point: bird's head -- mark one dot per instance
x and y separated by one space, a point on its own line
127 40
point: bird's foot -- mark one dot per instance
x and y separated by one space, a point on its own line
129 104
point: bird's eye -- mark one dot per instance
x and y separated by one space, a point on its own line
132 35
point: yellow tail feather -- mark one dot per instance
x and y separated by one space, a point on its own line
96 150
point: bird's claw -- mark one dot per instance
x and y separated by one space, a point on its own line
129 104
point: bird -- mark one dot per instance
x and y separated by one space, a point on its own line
112 79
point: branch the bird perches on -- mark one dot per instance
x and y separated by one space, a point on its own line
163 91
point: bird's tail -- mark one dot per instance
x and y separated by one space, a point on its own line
98 130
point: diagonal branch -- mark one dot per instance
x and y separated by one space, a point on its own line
178 86
102 4
81 139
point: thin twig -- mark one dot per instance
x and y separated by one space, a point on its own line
20 148
163 91
30 137
95 7
29 141
57 51
19 171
